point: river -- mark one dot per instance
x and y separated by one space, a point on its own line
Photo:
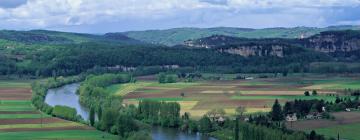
66 96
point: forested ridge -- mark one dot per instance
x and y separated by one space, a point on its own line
47 53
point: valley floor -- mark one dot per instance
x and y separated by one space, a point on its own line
19 120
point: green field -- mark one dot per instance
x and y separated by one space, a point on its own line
346 131
15 84
64 134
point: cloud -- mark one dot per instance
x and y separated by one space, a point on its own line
11 3
219 2
85 15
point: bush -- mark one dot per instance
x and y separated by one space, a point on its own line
141 135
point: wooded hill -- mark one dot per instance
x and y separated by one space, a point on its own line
49 53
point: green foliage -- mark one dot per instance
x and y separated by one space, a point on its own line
252 132
166 78
205 125
92 116
276 112
314 93
93 91
125 125
163 113
108 119
141 135
65 112
307 93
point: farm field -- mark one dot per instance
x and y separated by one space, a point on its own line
19 120
256 95
346 123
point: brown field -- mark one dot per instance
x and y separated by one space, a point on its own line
15 94
341 118
30 121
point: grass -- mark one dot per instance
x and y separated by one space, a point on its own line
17 108
15 102
23 116
346 131
63 134
123 89
15 84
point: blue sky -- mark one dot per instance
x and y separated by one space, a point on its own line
100 16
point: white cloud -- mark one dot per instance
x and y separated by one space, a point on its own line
62 13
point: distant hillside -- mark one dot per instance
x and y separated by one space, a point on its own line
176 36
54 37
343 44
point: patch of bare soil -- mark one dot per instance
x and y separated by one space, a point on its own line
341 118
19 112
47 129
15 94
30 121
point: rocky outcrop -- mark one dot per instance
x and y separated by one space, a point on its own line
256 50
342 44
239 46
334 42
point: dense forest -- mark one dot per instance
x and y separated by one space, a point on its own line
47 53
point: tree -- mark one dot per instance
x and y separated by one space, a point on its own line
125 125
237 128
314 93
287 108
240 111
182 94
276 112
337 100
205 125
92 116
162 78
109 119
99 113
312 135
307 93
215 113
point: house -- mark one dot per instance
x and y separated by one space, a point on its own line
291 117
249 78
314 115
246 119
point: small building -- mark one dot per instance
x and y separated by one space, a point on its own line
249 78
348 109
291 117
323 109
246 119
314 115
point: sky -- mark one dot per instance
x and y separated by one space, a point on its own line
101 16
